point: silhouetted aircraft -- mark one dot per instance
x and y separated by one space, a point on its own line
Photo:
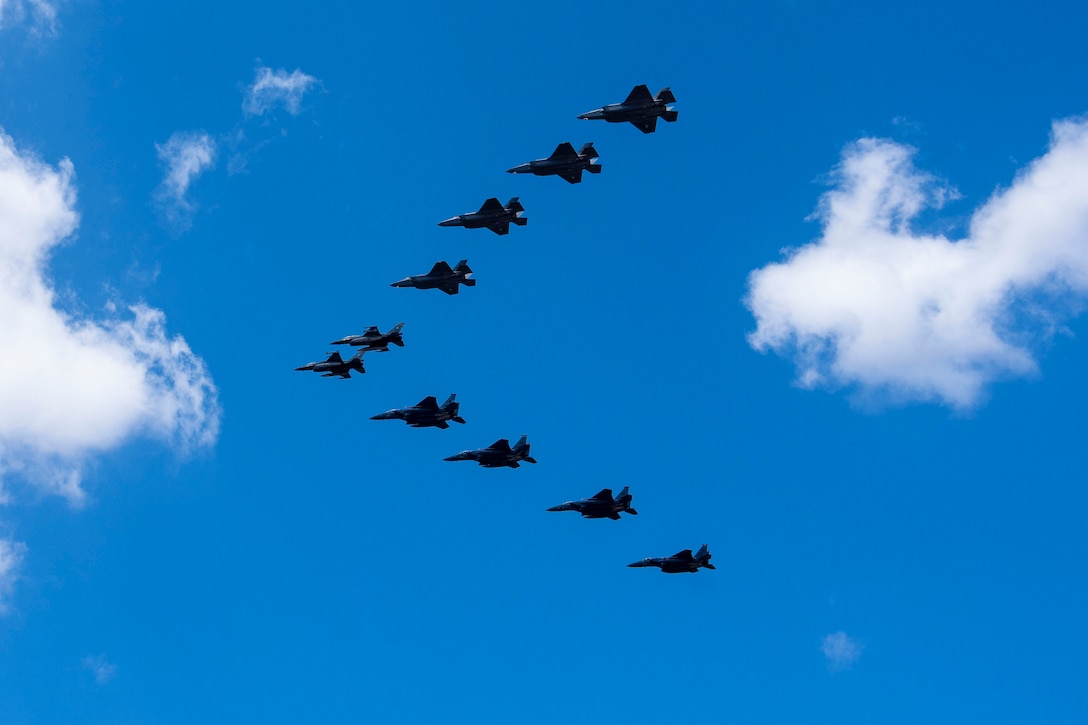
336 365
641 109
600 506
492 215
498 454
681 562
426 413
441 277
373 340
564 162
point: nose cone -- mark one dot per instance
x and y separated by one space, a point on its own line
519 169
598 113
453 221
307 366
341 341
406 282
388 415
644 562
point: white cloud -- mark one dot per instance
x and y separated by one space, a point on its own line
185 156
71 386
904 315
39 15
273 88
841 651
103 669
11 558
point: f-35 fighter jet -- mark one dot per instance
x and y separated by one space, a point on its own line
441 277
681 562
426 413
373 340
640 109
564 162
336 365
600 506
492 215
498 454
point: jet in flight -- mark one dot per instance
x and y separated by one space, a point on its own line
564 162
336 365
640 109
498 454
441 277
373 340
492 215
426 413
681 562
601 506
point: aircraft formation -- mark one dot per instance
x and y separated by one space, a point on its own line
640 109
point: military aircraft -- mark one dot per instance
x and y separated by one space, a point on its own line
600 506
441 277
336 365
426 413
373 340
564 162
492 215
680 562
498 454
640 109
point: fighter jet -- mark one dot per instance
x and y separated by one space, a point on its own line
564 162
492 215
498 454
680 562
640 108
335 365
440 277
373 340
600 506
426 413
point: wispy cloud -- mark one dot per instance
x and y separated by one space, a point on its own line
11 558
37 15
102 669
185 156
841 651
71 386
901 315
272 88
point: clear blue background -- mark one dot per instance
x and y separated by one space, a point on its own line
320 567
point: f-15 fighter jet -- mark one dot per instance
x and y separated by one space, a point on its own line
441 277
640 109
373 340
681 562
498 454
600 506
564 162
426 413
492 215
336 365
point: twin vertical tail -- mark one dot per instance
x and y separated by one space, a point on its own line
665 96
703 557
522 447
589 151
514 205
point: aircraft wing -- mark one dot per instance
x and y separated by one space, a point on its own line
442 424
492 206
574 177
684 555
372 330
639 96
504 445
345 375
646 125
500 228
430 403
564 151
614 516
450 288
440 268
605 494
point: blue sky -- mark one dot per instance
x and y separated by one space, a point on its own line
828 323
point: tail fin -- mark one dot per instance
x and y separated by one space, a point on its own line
451 399
523 442
665 96
589 151
703 554
396 328
514 205
462 266
624 492
670 116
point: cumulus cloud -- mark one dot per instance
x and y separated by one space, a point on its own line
102 669
273 88
72 386
903 315
840 651
11 558
40 16
185 156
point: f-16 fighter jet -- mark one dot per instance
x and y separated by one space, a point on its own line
640 108
492 215
681 562
373 340
426 413
336 365
564 162
601 506
498 454
441 277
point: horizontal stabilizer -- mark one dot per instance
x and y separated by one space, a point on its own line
594 168
520 221
670 116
